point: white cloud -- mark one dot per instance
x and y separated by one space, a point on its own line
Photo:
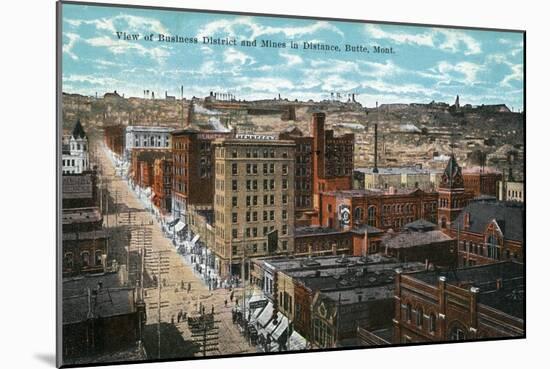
90 79
233 56
423 39
291 59
515 75
121 47
454 39
467 70
123 22
68 47
444 39
226 27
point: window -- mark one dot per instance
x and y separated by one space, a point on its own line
234 170
85 256
68 260
234 217
265 168
285 229
271 168
98 258
408 313
458 334
234 154
234 201
285 169
234 233
265 215
285 245
419 317
234 185
271 215
432 323
284 214
371 216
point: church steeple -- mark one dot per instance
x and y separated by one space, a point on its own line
78 130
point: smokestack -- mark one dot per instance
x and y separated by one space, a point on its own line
375 169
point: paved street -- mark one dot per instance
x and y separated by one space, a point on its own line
134 226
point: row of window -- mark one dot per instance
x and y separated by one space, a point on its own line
419 318
85 259
254 248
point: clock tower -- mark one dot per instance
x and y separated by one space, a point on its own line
452 197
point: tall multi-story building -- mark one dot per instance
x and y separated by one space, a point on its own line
162 184
146 137
304 174
193 178
332 160
253 198
142 165
75 154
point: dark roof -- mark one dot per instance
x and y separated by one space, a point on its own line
365 227
508 215
78 130
412 239
102 303
420 225
314 230
481 276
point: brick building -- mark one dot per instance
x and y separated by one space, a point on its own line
84 241
113 137
253 196
142 166
193 177
162 184
488 231
393 209
481 181
464 304
303 191
332 162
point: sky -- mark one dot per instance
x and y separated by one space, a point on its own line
427 63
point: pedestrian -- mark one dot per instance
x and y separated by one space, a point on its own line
225 302
179 316
182 285
188 287
172 319
237 301
212 309
231 296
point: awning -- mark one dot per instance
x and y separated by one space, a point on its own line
147 191
296 342
195 239
283 325
179 226
173 222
